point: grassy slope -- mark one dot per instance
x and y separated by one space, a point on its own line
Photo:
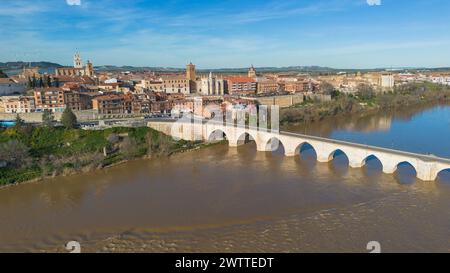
54 151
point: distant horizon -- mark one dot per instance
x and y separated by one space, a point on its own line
348 34
244 67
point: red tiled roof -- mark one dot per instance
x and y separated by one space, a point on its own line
240 79
6 80
109 97
76 79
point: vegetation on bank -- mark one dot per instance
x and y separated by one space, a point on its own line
365 100
29 152
3 75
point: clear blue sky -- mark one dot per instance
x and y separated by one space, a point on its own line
229 33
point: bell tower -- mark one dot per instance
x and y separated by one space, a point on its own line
77 61
89 70
252 72
190 72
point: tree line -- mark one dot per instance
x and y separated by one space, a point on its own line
42 82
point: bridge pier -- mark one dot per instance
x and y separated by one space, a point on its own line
290 153
323 158
233 142
427 167
425 172
389 168
263 147
356 159
355 163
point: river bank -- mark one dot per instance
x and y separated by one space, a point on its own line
73 172
366 103
30 154
228 199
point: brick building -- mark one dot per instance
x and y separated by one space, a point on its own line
241 85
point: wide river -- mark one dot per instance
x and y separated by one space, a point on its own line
239 200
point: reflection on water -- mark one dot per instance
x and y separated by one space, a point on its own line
230 199
422 129
215 191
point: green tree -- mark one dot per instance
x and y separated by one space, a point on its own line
48 81
326 88
48 118
19 121
29 83
3 75
68 118
33 82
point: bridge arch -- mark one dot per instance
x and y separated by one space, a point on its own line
336 152
369 158
217 135
305 146
408 175
273 144
426 167
406 164
245 137
443 174
372 157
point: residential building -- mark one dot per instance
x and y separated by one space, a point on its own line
176 84
150 85
241 85
8 86
387 81
50 98
301 85
77 101
266 86
109 86
18 104
109 104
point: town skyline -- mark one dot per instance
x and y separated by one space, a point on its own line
205 69
359 34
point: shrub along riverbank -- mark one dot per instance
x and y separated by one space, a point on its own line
28 152
366 101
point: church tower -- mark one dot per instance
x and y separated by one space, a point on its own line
252 72
89 70
190 72
77 61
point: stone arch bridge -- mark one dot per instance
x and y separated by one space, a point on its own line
427 166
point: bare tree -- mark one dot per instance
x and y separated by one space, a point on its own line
365 91
14 153
128 147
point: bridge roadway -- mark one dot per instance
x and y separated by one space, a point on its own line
427 167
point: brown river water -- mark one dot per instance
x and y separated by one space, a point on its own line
222 199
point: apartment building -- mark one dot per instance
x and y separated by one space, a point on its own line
241 85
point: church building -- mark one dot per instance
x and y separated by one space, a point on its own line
212 86
77 69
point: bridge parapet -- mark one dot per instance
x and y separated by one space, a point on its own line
427 167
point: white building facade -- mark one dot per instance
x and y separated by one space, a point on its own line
10 87
212 86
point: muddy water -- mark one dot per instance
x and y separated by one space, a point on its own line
236 199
